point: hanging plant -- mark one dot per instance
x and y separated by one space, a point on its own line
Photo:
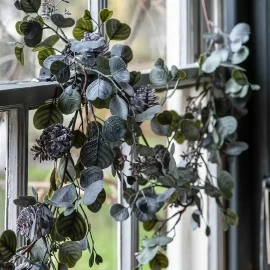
92 76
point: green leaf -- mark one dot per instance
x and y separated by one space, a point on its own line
60 21
116 30
240 56
53 180
165 118
239 77
178 73
119 107
158 129
39 252
47 115
122 51
98 89
61 71
119 212
178 137
30 6
72 226
17 26
135 77
105 14
70 253
129 195
87 15
70 171
69 103
189 130
19 54
48 43
81 27
42 55
96 153
159 262
226 185
79 139
148 114
212 191
96 206
149 225
231 217
8 243
114 128
159 75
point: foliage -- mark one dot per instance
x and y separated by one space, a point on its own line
92 77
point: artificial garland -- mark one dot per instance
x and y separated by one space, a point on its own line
92 76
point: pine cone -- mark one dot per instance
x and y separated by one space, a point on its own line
143 99
39 216
162 155
103 49
54 142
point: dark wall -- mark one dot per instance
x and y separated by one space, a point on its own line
249 169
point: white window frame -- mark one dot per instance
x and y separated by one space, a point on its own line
17 99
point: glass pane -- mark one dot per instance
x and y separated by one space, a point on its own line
10 68
104 228
147 20
3 155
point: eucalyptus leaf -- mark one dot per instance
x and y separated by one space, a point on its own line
122 51
241 32
236 148
159 75
240 56
85 46
96 206
92 191
119 69
157 241
70 172
149 205
90 176
158 129
211 63
119 212
119 107
166 195
52 58
98 89
189 130
226 185
148 114
114 128
69 103
147 254
63 197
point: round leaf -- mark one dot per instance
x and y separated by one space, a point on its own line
69 253
114 128
60 21
122 51
79 139
91 192
116 30
105 14
30 6
119 107
189 130
47 115
90 175
48 43
211 63
226 185
98 89
231 217
42 55
72 226
69 103
96 153
240 56
52 58
64 196
60 70
236 148
96 206
159 261
119 212
81 27
8 243
135 77
119 69
159 75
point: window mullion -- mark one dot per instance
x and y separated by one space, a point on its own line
17 162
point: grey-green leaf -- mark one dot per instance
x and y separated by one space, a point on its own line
148 114
119 212
114 128
69 103
98 89
63 197
69 253
90 175
119 69
226 185
91 192
189 130
236 148
119 107
122 51
240 56
61 71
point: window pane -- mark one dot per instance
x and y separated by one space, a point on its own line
3 155
104 228
10 68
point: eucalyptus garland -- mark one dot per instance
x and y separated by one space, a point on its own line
93 76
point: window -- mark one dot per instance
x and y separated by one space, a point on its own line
172 33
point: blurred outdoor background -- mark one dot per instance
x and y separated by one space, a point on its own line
147 40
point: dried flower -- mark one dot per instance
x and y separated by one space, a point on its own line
143 99
54 142
35 221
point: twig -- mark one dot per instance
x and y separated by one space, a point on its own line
206 16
